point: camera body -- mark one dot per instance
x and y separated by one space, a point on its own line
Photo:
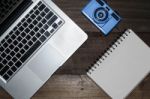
101 15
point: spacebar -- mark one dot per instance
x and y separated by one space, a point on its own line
30 52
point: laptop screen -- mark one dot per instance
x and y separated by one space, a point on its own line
10 10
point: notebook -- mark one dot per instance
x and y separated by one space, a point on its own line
123 66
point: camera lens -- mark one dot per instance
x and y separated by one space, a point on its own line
100 15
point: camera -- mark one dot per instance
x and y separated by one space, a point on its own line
101 15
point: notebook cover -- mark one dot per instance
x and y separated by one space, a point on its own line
123 66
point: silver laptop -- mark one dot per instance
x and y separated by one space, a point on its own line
36 38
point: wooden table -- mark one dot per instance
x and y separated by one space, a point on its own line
70 81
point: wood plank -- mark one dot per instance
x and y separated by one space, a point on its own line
4 95
80 87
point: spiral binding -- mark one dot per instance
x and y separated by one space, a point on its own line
108 51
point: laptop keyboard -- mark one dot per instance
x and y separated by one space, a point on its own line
26 38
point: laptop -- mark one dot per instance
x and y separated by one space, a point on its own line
36 38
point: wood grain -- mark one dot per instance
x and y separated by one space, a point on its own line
80 87
70 81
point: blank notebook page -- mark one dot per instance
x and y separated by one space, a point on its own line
124 68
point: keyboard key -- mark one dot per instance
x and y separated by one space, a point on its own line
20 45
42 7
44 21
30 43
52 20
39 3
42 31
25 24
49 15
15 42
35 7
27 16
55 25
35 22
1 49
38 35
13 68
31 11
7 51
9 72
45 26
23 20
2 41
32 33
5 44
37 12
43 14
10 63
18 64
4 61
12 53
18 55
30 51
21 28
60 22
14 59
46 10
29 20
8 57
28 37
15 28
31 26
36 29
39 18
26 47
34 39
52 30
22 51
7 37
19 38
4 70
24 41
13 37
27 30
16 49
6 77
33 16
47 34
23 34
42 38
11 46
3 55
40 25
19 24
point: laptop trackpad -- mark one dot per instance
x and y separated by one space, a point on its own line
46 62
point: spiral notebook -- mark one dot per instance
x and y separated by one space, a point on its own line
123 66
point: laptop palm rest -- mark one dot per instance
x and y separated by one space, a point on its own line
46 62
